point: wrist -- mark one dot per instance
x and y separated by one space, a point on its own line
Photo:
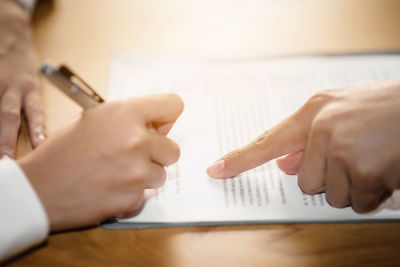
35 172
43 167
41 175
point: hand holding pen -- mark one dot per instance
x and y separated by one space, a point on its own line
100 165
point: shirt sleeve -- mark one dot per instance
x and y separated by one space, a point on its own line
23 220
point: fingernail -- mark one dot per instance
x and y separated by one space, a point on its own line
40 138
216 168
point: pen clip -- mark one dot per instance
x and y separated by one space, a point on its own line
78 81
72 85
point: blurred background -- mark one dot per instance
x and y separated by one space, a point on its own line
86 33
89 31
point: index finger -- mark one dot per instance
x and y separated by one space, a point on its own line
161 110
287 136
290 135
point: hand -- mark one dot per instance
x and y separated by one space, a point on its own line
100 166
19 82
344 142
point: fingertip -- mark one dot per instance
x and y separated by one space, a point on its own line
38 140
38 136
236 162
179 102
216 169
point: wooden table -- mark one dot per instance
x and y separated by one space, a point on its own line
85 34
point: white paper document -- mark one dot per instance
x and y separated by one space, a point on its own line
228 103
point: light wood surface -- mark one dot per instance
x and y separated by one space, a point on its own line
85 34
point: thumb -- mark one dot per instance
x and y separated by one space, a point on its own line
288 136
290 163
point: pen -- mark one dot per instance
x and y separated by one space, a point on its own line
75 88
72 85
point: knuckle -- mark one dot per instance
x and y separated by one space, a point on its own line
29 83
140 140
33 101
34 109
323 122
321 97
364 169
366 175
139 173
328 120
319 100
340 147
11 114
233 156
344 144
263 141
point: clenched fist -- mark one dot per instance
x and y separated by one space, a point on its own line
100 166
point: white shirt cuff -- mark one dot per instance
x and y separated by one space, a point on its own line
23 222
